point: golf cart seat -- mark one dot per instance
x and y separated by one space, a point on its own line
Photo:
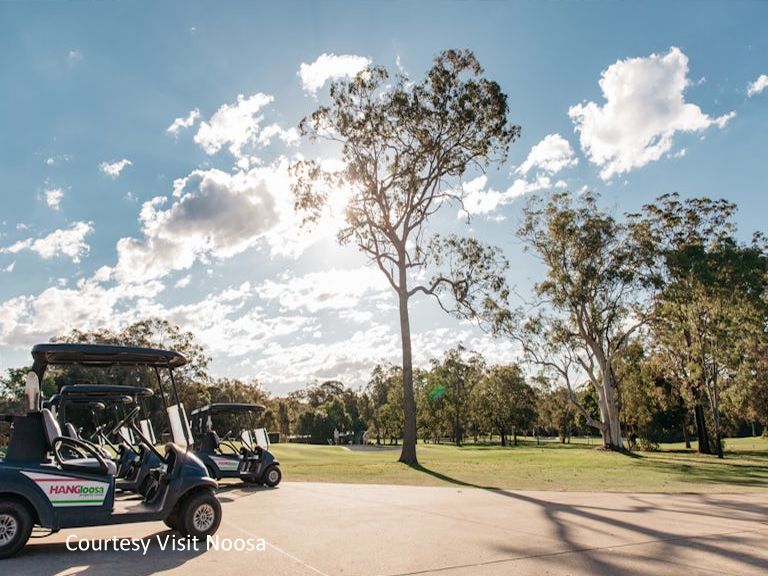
71 432
55 439
210 442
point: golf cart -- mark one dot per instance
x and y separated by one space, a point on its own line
134 461
251 461
40 485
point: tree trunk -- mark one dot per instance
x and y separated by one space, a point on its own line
685 435
701 429
514 435
503 439
408 454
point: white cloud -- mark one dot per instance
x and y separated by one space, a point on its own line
234 124
53 198
213 213
10 267
74 56
113 169
70 242
327 290
479 199
756 87
644 108
183 282
328 67
183 122
289 137
551 155
26 320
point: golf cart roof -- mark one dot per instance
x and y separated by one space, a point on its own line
105 355
221 407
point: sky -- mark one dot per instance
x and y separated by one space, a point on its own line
144 149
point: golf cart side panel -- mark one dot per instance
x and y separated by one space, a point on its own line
16 484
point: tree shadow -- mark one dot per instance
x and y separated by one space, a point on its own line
570 522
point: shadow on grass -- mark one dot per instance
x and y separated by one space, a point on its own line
448 479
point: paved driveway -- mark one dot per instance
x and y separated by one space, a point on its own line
310 529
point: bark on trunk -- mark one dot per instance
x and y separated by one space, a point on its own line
408 453
701 429
685 436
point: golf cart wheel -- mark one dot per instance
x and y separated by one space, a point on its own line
199 515
15 527
272 476
172 521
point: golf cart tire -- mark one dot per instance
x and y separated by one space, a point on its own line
16 516
199 515
172 521
272 476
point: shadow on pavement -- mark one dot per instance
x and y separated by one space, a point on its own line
39 557
668 543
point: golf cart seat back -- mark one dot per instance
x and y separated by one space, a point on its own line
210 442
70 431
53 431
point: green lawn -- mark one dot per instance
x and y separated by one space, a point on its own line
550 466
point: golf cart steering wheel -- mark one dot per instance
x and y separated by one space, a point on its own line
129 418
229 442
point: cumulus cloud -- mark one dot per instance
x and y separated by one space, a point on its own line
551 155
644 108
327 290
480 199
213 213
329 67
756 87
183 122
53 198
113 169
235 125
26 320
69 242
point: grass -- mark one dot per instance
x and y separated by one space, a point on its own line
549 466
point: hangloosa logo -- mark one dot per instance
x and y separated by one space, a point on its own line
75 489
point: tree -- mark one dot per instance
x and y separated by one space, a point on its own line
375 396
652 408
709 298
506 401
405 147
454 378
556 411
589 294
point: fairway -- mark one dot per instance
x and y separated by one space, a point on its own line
549 466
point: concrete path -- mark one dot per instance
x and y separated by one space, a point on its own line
313 529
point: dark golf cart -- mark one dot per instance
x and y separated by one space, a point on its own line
41 484
134 461
251 461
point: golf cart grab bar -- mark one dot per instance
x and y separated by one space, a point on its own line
77 444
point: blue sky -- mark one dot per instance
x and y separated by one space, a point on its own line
143 150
